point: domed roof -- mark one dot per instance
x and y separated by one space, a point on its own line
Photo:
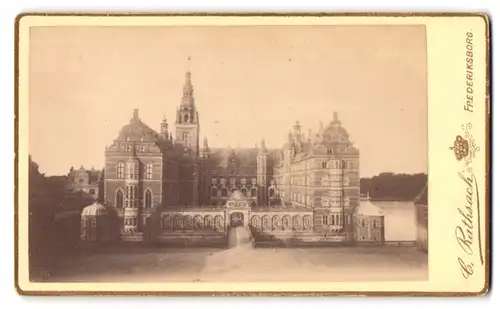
334 132
368 209
137 131
95 209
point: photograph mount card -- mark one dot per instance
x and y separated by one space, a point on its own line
273 154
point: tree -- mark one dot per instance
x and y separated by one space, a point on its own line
390 186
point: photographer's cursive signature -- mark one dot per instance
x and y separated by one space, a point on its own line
470 221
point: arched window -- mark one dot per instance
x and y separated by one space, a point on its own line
186 117
120 170
148 199
253 192
214 192
223 192
119 199
244 191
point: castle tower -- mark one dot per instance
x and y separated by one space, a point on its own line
262 174
131 215
187 127
297 131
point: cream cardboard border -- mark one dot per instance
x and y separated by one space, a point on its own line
446 44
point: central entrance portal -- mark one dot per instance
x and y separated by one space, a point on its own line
237 219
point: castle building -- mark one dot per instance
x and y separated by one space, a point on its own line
84 181
148 171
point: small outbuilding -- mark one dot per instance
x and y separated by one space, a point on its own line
96 223
368 223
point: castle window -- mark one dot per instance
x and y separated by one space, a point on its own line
119 199
148 199
325 220
253 192
223 192
214 192
244 191
120 170
149 171
186 118
323 164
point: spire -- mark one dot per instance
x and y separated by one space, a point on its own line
187 93
206 150
262 148
136 114
336 118
296 130
164 127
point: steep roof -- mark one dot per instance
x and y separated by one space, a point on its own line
93 210
136 130
93 175
367 208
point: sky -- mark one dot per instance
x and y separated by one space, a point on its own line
249 83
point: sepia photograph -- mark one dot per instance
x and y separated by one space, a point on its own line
229 154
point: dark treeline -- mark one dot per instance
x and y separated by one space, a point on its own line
392 187
49 238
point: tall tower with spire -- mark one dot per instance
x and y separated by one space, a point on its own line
187 126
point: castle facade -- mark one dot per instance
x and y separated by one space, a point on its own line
313 177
